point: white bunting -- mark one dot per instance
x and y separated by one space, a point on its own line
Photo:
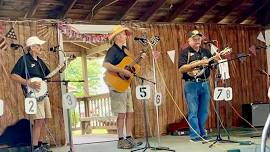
213 48
1 107
261 37
171 55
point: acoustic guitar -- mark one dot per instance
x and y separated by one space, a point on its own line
198 71
120 83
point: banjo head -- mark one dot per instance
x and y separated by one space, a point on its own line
38 93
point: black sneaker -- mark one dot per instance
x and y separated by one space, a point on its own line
196 140
206 138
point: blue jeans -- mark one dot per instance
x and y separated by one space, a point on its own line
197 96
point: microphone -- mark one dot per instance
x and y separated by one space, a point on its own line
55 48
139 39
15 46
211 41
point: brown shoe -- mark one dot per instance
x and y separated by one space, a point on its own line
124 144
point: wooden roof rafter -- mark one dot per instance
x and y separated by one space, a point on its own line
147 16
209 6
32 10
126 10
220 16
181 7
67 7
250 11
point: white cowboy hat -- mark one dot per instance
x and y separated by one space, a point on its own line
34 40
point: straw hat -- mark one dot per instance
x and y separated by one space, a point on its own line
34 40
118 29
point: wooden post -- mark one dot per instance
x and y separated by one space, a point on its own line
85 73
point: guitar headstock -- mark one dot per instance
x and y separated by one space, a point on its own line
226 51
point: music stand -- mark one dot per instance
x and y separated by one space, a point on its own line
147 145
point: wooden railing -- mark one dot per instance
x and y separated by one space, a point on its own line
97 113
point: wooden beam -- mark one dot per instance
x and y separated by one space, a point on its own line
259 4
98 49
67 7
32 10
85 74
223 13
81 45
147 15
181 7
78 41
209 6
98 6
125 10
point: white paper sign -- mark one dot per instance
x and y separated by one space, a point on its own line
224 69
158 98
228 94
222 93
1 107
70 101
218 94
171 55
143 92
30 105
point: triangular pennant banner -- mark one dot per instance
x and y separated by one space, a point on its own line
261 37
11 34
252 50
3 43
156 54
171 55
213 48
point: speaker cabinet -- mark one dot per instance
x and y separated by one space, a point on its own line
255 113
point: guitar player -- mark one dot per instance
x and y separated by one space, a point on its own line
35 68
121 102
196 90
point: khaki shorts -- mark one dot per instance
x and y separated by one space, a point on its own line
43 109
121 102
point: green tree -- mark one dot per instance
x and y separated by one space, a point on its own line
74 72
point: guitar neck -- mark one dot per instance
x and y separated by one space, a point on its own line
137 60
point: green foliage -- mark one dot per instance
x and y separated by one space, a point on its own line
74 72
74 116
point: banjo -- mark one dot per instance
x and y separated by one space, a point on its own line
40 94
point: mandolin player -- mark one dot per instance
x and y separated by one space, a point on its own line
29 66
196 87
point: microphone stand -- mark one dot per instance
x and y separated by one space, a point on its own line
27 78
217 106
147 145
65 82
